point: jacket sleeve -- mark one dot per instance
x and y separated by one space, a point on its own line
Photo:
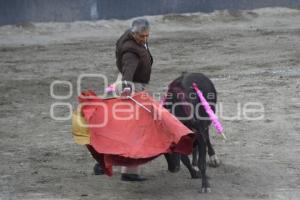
130 63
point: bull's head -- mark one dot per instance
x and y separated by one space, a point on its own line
173 160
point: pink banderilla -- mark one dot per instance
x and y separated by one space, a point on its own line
213 117
110 88
162 101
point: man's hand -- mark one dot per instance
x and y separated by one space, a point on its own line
126 92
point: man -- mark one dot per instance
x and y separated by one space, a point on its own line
134 62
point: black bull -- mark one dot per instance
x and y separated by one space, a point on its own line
182 100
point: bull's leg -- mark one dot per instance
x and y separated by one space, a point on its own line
195 156
173 161
210 149
195 153
202 162
213 158
186 161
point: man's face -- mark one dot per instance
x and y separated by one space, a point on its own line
141 38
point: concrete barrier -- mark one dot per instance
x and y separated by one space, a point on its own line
16 11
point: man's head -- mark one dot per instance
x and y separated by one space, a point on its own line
140 29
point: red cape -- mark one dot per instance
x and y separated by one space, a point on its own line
124 133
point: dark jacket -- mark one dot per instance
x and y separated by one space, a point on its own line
133 60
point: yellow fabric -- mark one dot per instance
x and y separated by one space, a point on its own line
79 129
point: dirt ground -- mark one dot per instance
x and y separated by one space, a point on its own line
252 57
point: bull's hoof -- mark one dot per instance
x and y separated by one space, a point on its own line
174 169
195 174
98 170
205 190
214 161
195 167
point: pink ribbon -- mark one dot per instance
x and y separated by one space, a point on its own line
213 117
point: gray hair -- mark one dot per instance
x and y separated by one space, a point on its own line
140 25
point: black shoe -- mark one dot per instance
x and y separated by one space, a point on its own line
132 177
98 170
